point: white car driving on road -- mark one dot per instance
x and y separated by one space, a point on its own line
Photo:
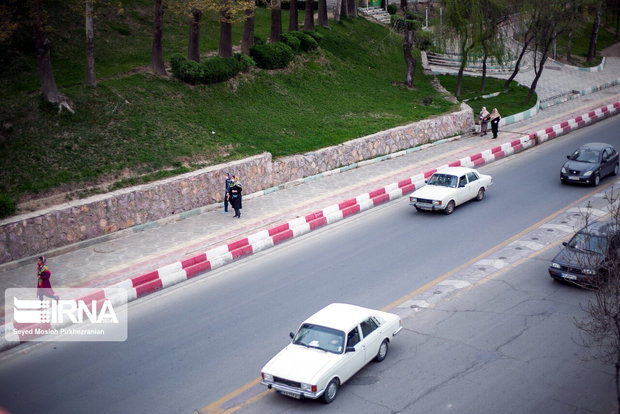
328 349
449 188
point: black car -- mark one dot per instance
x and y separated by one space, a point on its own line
589 163
586 257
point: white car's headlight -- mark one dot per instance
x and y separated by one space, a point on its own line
267 377
556 265
588 173
589 271
413 199
436 202
307 387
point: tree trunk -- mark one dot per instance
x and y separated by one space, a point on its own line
292 18
538 72
225 47
42 45
483 81
248 32
193 48
352 8
309 15
344 9
594 35
569 46
157 51
91 77
409 59
323 21
526 44
459 77
403 6
276 21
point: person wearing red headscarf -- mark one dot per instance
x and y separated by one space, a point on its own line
44 286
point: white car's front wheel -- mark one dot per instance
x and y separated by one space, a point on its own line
331 391
449 208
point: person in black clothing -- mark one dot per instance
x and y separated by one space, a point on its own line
235 196
227 192
495 117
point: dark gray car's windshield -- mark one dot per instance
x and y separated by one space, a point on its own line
588 243
586 155
320 337
444 180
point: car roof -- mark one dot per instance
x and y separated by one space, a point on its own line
340 316
601 228
455 170
595 145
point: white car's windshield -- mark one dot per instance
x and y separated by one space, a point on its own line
443 180
320 337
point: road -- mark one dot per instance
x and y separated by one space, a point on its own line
196 342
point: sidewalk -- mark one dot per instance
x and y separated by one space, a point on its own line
130 254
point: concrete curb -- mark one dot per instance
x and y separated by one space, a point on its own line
180 271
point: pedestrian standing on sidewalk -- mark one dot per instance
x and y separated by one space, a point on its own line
227 192
495 117
484 119
44 286
235 196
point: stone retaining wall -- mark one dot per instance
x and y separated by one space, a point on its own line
75 221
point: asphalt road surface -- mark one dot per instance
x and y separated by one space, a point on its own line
192 344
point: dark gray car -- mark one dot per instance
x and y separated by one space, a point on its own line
585 258
589 163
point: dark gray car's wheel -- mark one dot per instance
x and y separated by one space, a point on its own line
383 351
480 195
615 170
331 391
449 208
418 208
596 180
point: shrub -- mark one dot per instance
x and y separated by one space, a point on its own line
314 34
307 42
423 40
392 9
398 23
275 55
259 40
245 61
191 72
7 206
292 41
427 100
218 69
176 61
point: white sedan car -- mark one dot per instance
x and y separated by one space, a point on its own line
329 347
449 188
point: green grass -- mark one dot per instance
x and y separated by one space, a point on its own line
139 124
509 102
581 43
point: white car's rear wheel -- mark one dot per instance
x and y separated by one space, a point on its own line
480 195
383 351
331 391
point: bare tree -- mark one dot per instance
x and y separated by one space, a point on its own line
248 30
293 25
276 20
409 29
323 21
596 24
601 325
309 15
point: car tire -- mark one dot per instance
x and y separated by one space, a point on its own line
449 208
596 180
418 208
383 351
615 170
480 195
331 391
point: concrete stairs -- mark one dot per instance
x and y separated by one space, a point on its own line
375 13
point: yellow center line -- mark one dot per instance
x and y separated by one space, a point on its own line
215 407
